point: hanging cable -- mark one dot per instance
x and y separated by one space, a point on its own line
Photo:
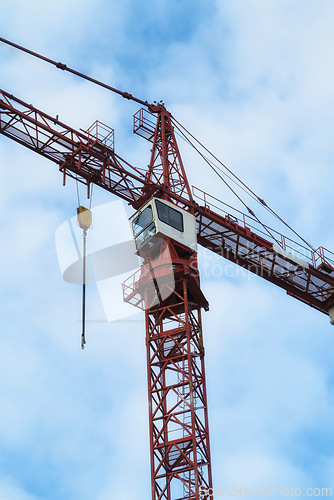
181 128
91 195
83 333
217 159
77 185
84 218
249 210
240 186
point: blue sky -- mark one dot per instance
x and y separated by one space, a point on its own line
253 80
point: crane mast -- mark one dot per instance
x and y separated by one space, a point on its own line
167 287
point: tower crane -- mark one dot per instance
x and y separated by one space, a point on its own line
168 224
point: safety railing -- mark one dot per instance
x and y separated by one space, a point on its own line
102 133
318 258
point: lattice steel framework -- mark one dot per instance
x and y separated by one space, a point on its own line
84 157
180 451
179 433
166 167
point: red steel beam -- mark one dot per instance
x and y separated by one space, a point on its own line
247 249
78 154
90 161
64 67
178 417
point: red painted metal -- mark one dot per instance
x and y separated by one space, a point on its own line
305 274
80 155
102 133
83 156
169 291
64 67
166 167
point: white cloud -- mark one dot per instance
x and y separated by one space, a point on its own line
254 81
10 490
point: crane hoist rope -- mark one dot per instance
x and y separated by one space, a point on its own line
78 194
186 134
211 165
178 125
175 353
84 218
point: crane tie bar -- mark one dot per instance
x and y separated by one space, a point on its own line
64 67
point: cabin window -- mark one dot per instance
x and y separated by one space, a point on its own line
148 232
142 220
169 215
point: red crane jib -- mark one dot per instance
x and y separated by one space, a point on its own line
85 157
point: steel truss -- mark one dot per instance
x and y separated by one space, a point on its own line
179 433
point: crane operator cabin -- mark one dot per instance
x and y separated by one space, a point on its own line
162 218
